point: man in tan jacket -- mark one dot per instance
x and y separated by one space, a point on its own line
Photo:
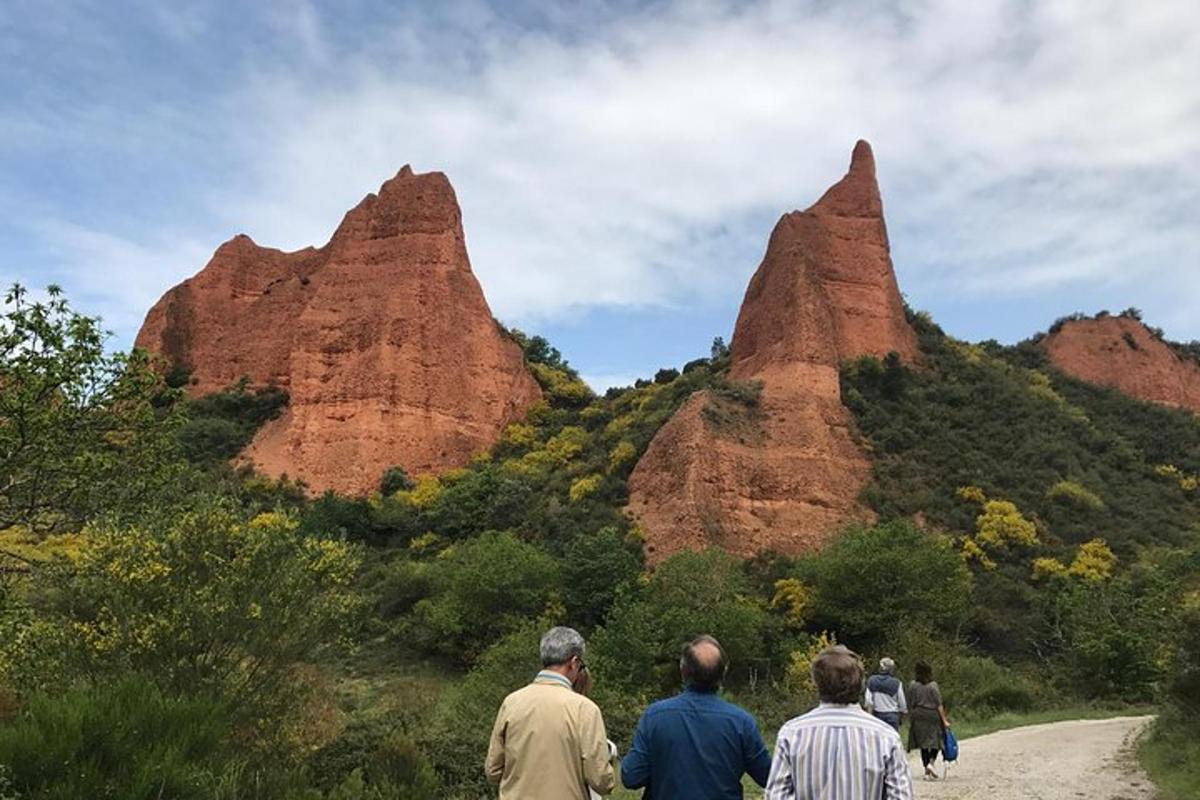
549 742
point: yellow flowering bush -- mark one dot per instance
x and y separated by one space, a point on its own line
1002 525
1187 482
972 494
973 553
206 601
798 677
1072 492
519 434
427 492
794 598
1045 568
621 455
584 487
1094 561
560 385
558 451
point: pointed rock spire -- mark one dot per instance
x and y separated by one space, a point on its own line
857 194
826 289
382 338
825 292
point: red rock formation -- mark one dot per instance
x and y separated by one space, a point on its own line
382 338
1120 352
788 475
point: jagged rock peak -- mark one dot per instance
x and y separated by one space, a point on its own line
382 338
788 476
826 290
857 194
409 203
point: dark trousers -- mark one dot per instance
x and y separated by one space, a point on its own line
928 756
890 717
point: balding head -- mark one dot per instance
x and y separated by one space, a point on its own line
702 664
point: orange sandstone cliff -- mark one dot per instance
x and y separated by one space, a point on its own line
382 338
786 475
1120 352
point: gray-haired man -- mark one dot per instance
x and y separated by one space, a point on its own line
549 742
885 694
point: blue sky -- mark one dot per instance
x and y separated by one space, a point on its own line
620 164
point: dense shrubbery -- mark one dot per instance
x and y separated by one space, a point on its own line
82 431
987 417
127 740
218 426
1037 542
205 603
871 581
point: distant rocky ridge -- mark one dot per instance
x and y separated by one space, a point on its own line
1122 353
382 338
390 355
790 476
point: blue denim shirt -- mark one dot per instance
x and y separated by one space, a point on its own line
695 746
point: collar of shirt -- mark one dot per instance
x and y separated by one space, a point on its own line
841 706
551 677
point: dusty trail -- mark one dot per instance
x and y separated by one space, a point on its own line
1059 761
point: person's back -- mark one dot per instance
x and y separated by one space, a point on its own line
548 742
696 745
837 751
885 694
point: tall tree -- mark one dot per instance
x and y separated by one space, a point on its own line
82 430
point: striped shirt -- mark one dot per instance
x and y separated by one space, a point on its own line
837 752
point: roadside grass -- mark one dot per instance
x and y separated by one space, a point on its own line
1170 754
967 728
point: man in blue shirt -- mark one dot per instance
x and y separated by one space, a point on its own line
696 746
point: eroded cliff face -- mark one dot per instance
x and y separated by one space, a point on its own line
1120 352
382 338
787 475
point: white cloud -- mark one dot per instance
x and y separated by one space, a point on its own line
117 277
1023 147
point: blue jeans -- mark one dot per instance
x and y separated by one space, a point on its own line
890 717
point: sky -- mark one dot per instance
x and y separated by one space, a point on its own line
620 165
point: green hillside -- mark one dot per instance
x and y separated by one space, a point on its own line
1037 541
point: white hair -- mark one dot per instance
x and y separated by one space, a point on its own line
559 645
887 665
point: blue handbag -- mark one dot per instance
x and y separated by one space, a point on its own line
950 746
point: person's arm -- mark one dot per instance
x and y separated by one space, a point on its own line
635 767
901 701
869 700
941 708
494 764
897 778
781 783
756 759
597 758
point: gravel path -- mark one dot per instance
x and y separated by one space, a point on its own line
1059 761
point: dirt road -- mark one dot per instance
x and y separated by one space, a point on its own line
1060 761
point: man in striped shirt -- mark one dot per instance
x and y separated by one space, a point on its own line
837 751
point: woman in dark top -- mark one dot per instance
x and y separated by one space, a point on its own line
927 717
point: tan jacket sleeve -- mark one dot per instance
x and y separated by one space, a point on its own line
494 765
597 765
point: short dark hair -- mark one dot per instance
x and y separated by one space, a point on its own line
838 673
924 672
702 673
